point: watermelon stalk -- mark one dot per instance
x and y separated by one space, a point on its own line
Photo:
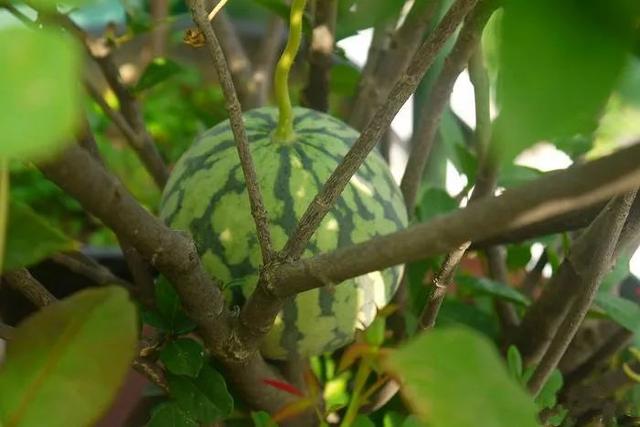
284 132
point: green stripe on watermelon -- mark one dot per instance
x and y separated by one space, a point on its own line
206 197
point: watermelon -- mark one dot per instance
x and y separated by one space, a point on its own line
206 197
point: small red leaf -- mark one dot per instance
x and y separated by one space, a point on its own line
284 386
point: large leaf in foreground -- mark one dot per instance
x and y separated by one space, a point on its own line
68 360
453 377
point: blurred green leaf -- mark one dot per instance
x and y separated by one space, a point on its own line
559 62
513 175
454 313
485 286
547 396
159 70
39 92
283 10
518 256
30 238
514 362
344 79
169 414
262 419
204 398
355 15
170 308
68 360
624 312
374 334
362 421
454 377
433 202
183 356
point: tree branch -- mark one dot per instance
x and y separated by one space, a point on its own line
266 60
438 100
7 332
406 85
377 84
590 258
232 105
316 93
87 267
550 195
22 281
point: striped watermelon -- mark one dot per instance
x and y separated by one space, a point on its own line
206 196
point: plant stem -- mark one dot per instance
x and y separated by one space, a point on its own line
4 204
354 405
284 131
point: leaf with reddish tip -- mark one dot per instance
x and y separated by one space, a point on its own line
355 352
68 360
284 386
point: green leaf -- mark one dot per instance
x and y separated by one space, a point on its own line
355 15
484 286
30 238
518 256
170 308
547 396
344 79
159 70
514 362
283 10
169 414
39 92
559 62
68 360
374 334
262 419
513 175
456 313
624 312
204 398
362 421
183 356
454 377
433 202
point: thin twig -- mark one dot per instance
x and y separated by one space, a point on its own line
232 104
239 63
377 83
507 314
265 60
609 224
429 121
22 281
484 187
87 267
316 93
115 116
618 340
406 85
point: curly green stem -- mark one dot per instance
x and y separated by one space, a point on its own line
284 132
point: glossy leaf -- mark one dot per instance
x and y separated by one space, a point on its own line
30 238
68 360
559 62
485 286
205 398
170 309
169 414
454 377
39 92
624 312
183 356
159 70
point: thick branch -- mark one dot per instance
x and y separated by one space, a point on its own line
22 281
232 105
550 195
439 95
316 93
406 85
544 317
81 176
591 258
376 84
